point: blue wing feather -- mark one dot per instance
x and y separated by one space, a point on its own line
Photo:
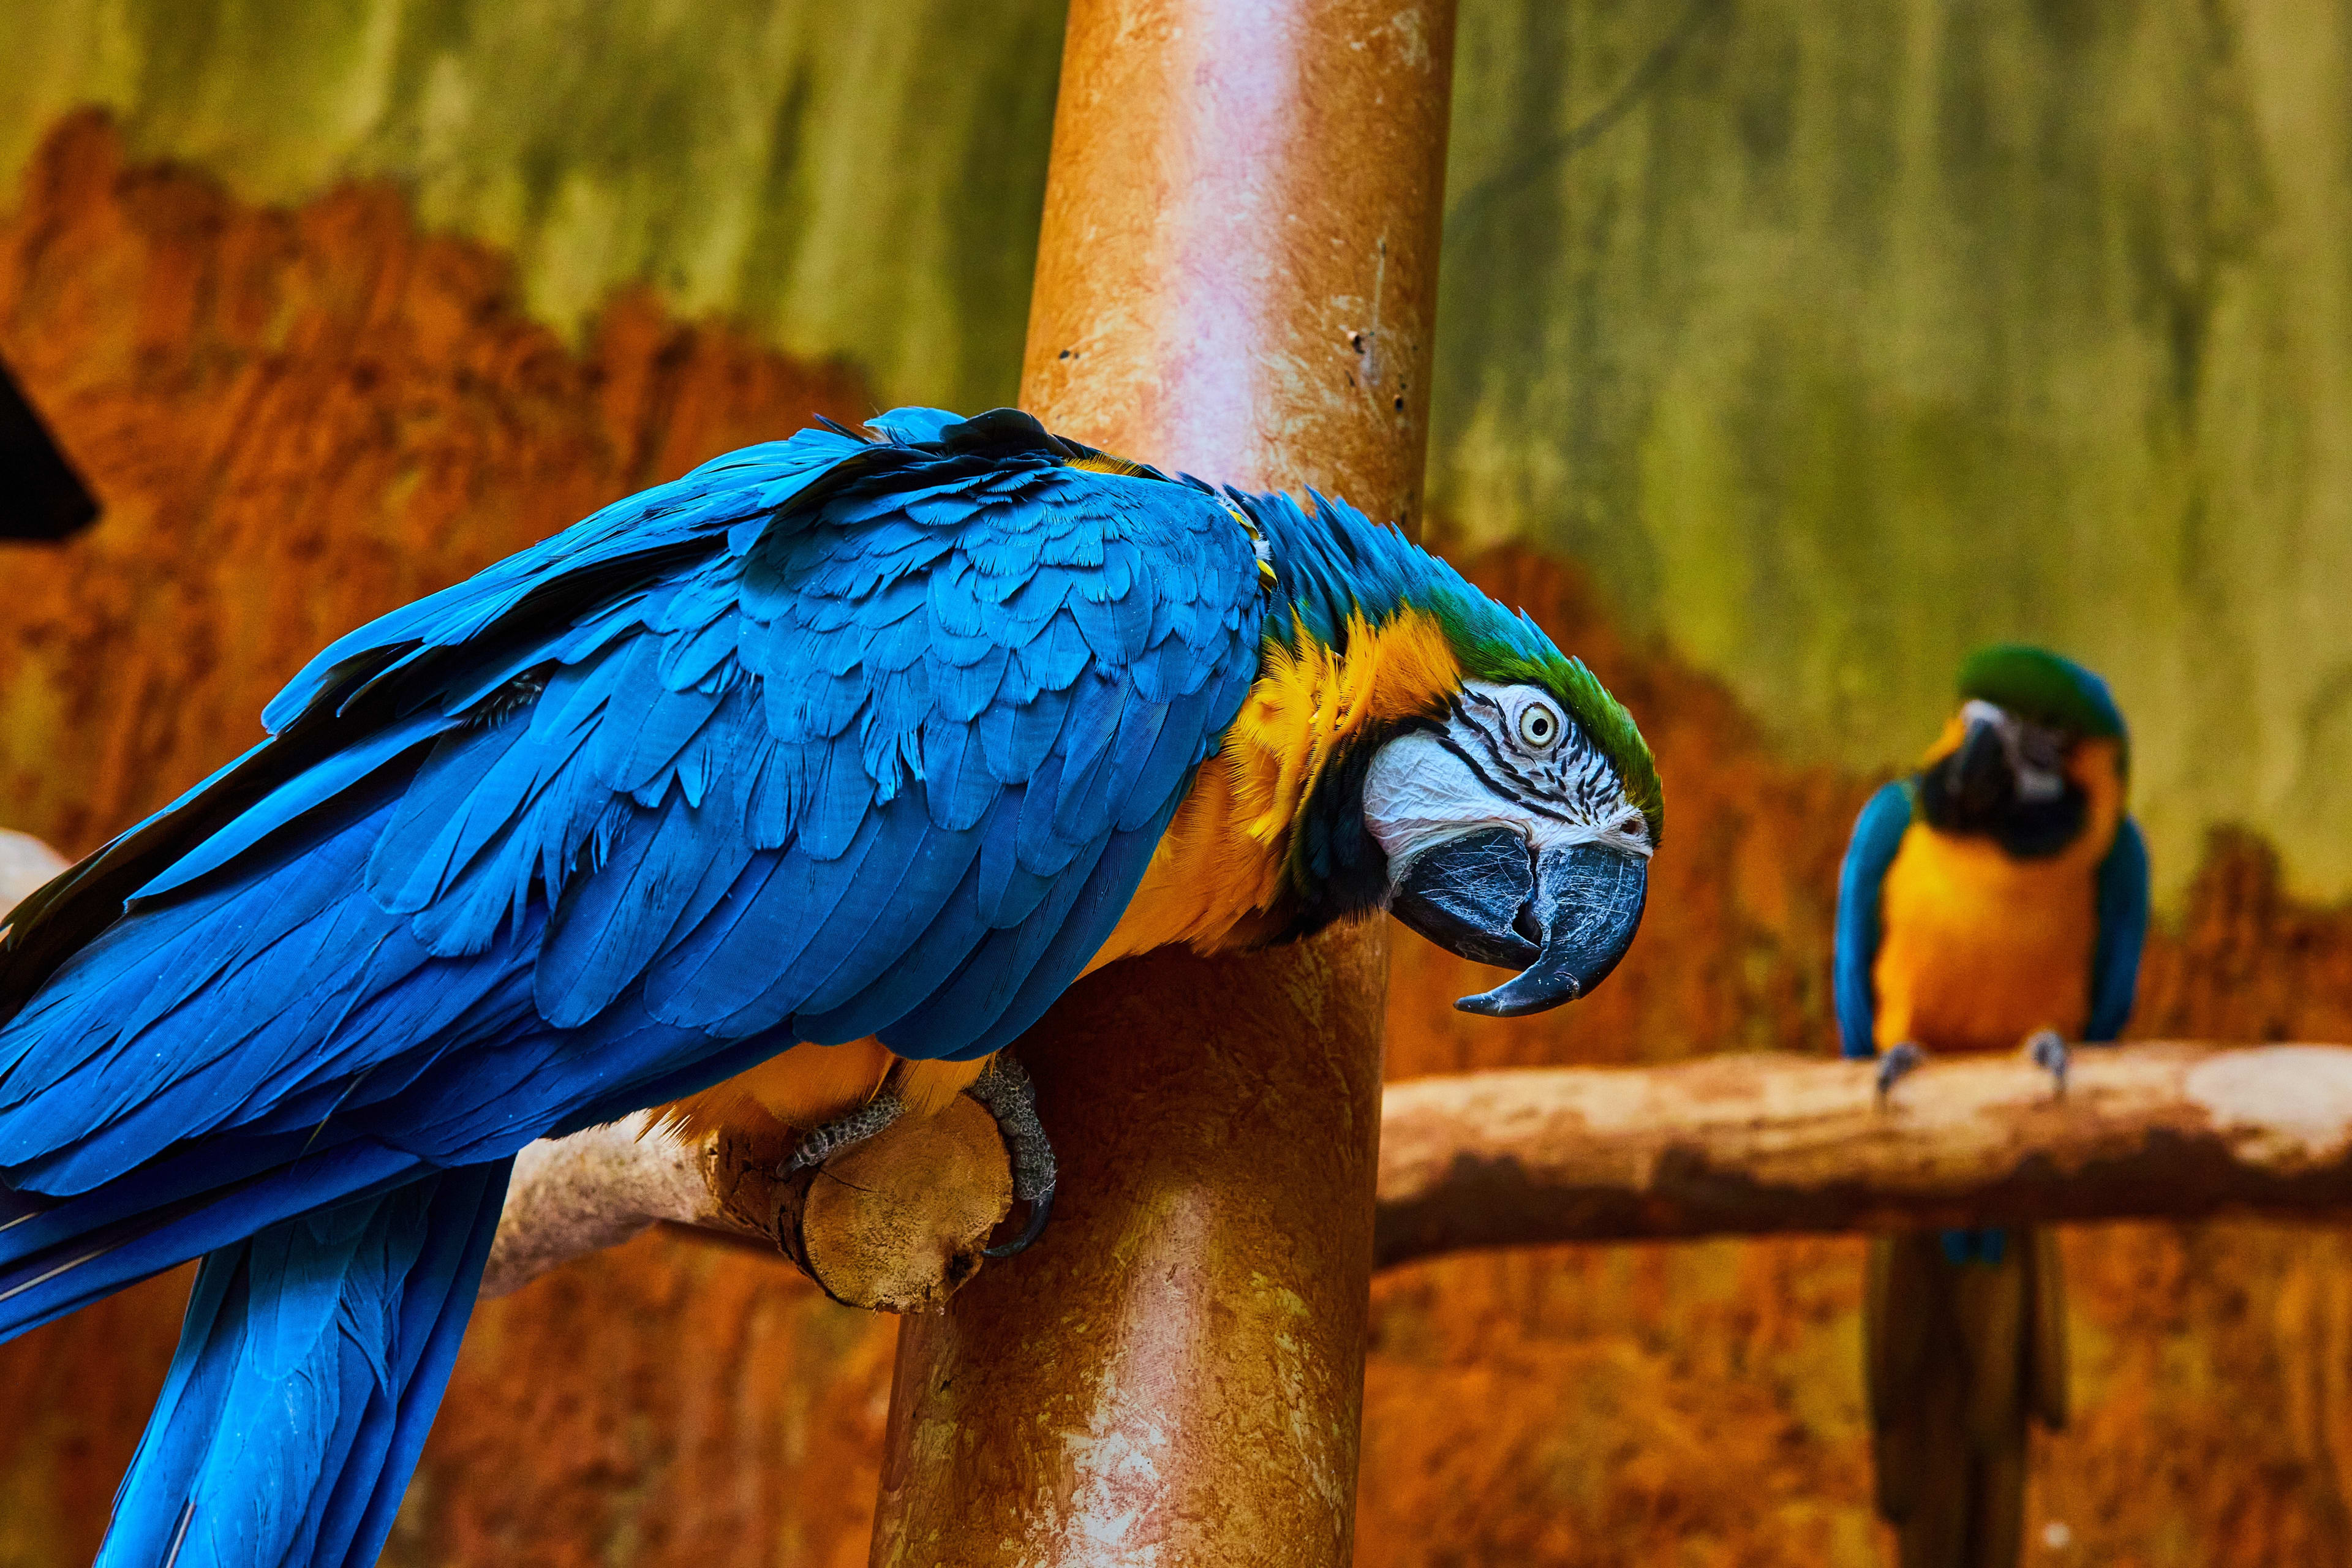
602 840
824 739
2123 906
1878 835
309 1359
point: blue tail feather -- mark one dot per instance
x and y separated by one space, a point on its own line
312 1358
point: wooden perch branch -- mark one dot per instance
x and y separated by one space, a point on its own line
1730 1145
571 1196
895 1223
1750 1144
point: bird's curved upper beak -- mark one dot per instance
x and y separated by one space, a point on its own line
1981 780
1562 916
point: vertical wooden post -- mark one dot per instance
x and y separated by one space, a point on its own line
1236 277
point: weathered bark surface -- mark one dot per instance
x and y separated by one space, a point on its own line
1756 1144
895 1222
1173 1367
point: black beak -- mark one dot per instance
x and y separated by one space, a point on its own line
1977 779
1562 919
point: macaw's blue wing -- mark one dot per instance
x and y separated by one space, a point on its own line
828 739
2123 902
825 740
1878 835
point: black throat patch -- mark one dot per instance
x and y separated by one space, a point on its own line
2025 830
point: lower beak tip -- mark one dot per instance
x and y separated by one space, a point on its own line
1499 1003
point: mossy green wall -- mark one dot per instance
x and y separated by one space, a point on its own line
856 179
1837 336
1834 335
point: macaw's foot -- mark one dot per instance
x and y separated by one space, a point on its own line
1005 1092
823 1144
2046 1050
1893 1062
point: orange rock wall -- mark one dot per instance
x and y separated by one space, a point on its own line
299 418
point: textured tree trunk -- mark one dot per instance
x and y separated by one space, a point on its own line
1236 277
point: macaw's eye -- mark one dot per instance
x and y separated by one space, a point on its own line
1539 727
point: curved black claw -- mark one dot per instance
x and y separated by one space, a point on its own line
2046 1048
1898 1059
1040 1206
1005 1092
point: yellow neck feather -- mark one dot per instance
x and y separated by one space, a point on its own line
1218 870
1981 949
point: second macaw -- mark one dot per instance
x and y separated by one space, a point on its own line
1996 899
845 754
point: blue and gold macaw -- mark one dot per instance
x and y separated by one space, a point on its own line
840 759
1996 899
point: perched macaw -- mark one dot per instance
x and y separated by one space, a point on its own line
865 748
1996 899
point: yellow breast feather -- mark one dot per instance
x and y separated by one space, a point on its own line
1218 870
1979 949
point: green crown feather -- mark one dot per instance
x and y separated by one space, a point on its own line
2036 684
1338 561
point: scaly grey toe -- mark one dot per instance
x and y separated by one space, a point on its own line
823 1144
1899 1058
2046 1050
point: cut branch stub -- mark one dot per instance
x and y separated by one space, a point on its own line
894 1224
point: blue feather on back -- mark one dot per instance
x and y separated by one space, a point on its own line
824 739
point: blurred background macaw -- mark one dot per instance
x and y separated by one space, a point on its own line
1996 899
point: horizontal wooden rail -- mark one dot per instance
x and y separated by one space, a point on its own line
1726 1145
1756 1144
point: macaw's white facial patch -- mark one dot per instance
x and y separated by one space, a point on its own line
1503 756
2036 752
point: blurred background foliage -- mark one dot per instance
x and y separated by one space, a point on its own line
1786 350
